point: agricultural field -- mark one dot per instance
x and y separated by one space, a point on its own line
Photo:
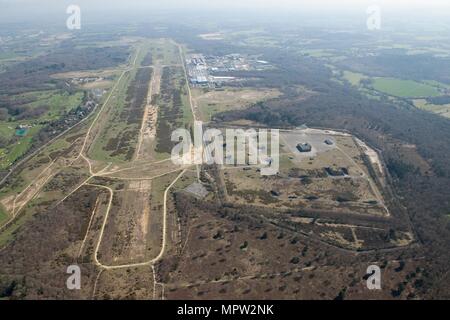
404 88
319 53
3 215
421 94
442 110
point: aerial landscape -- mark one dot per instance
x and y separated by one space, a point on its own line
193 151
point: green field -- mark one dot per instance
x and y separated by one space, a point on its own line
354 78
3 215
12 152
404 88
57 104
319 53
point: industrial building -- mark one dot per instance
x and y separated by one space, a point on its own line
209 70
304 147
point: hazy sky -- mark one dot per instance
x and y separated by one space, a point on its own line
23 10
228 3
286 4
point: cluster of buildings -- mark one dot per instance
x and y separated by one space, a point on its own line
198 70
79 81
209 70
238 62
306 146
98 93
22 129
